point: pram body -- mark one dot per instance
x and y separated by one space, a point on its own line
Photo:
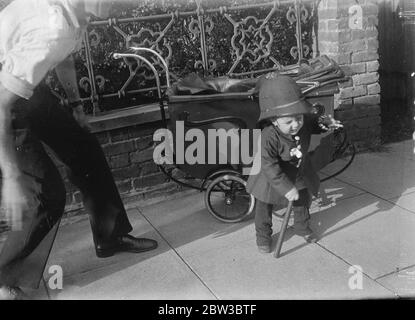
230 109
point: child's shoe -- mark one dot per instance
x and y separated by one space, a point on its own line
264 246
264 249
307 234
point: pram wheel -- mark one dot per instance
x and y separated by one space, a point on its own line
227 199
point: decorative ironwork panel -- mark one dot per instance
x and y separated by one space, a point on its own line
212 37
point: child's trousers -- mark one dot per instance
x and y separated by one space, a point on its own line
263 217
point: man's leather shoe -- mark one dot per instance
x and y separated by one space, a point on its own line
126 243
12 293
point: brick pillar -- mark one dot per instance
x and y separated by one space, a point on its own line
356 51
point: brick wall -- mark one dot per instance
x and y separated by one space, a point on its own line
356 51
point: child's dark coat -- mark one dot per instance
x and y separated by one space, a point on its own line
278 173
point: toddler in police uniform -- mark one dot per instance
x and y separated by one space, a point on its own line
286 172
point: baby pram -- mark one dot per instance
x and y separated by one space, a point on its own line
223 105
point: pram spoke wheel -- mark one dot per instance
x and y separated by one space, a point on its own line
227 199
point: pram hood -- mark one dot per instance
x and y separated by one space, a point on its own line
193 84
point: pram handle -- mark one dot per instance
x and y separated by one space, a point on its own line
148 63
151 66
194 124
311 85
166 68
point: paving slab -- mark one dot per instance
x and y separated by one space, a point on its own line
402 149
225 257
368 232
158 274
187 220
74 251
406 201
304 271
37 294
334 190
402 282
385 176
164 276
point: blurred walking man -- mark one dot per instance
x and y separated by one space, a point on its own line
35 37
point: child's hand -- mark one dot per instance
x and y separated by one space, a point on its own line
292 195
329 123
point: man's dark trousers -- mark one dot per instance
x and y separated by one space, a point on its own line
43 119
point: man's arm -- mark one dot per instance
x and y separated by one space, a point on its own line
8 164
67 77
14 196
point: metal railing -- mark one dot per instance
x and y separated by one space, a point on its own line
226 40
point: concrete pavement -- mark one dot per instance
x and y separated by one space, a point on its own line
365 218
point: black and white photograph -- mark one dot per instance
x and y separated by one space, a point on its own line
222 152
